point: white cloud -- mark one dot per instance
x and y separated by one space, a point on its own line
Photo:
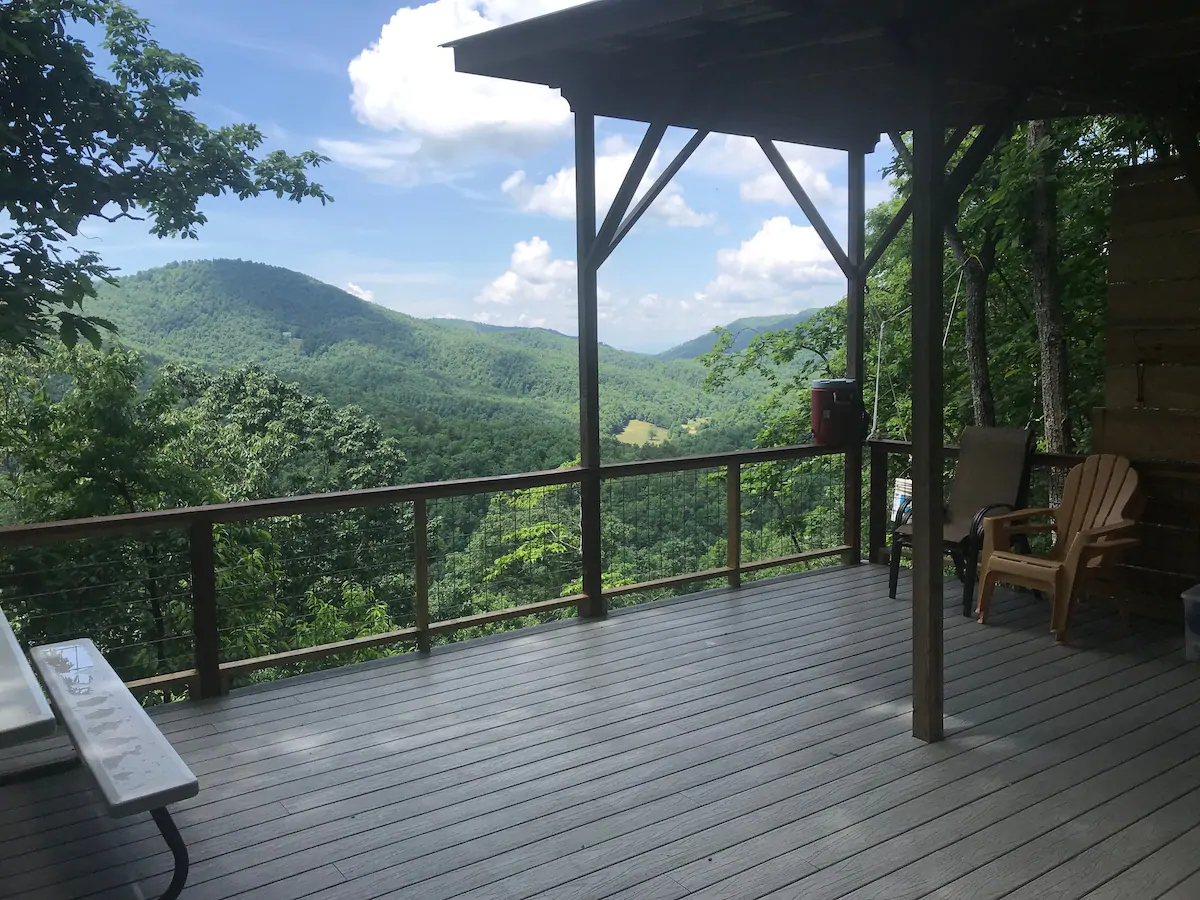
556 195
741 158
360 292
783 264
781 269
534 284
405 83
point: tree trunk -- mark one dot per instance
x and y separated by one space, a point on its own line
977 268
1047 303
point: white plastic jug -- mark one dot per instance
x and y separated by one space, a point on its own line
900 492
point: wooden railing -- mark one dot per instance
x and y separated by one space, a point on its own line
210 675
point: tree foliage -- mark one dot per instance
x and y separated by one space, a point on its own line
83 146
998 219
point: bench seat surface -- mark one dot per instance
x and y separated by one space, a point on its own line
24 713
135 768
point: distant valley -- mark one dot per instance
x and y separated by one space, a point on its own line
465 399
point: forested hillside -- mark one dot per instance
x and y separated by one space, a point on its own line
464 399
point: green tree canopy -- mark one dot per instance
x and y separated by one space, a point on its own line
80 146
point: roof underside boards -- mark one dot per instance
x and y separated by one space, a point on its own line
839 72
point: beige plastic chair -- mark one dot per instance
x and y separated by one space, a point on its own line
992 474
1095 522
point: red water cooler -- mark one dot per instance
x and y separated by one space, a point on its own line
837 412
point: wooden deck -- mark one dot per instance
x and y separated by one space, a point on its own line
749 744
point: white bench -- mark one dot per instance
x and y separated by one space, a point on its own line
24 713
134 767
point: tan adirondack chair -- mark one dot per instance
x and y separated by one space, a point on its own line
1095 522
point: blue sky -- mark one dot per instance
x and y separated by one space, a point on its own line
454 194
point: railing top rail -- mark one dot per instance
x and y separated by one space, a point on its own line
221 513
717 460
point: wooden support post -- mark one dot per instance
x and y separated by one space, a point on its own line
206 637
421 562
589 365
733 523
928 218
856 304
877 527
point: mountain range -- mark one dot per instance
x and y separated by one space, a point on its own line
744 331
508 395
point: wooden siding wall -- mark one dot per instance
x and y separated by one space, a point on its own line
1152 387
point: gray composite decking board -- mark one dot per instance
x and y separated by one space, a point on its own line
210 793
334 679
343 869
866 731
1157 873
1188 889
604 645
926 825
607 647
1152 816
942 817
684 673
1003 858
376 713
671 669
389 855
466 663
784 606
611 852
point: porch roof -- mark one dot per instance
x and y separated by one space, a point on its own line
839 73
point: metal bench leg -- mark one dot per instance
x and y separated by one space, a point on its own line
174 840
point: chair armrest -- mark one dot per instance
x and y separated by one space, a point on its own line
903 513
1018 514
1031 528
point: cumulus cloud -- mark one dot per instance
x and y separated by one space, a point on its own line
538 290
360 292
535 282
405 83
741 158
779 264
555 196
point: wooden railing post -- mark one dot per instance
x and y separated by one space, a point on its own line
877 528
205 634
852 505
733 523
421 557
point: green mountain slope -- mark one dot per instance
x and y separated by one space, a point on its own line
744 331
465 400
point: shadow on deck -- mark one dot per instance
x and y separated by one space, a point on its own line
734 744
